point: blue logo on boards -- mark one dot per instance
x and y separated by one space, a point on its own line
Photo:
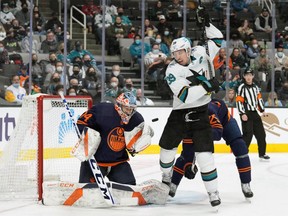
65 126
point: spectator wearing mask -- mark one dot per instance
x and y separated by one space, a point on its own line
78 61
15 93
78 51
23 15
72 91
76 74
125 19
154 62
37 73
129 87
90 82
53 23
116 72
136 49
114 33
163 25
6 16
163 46
19 30
280 60
55 80
238 60
253 49
11 44
113 90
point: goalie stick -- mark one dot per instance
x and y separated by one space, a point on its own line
92 161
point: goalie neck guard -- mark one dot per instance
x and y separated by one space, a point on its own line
126 106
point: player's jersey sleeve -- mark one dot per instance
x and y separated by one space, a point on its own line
215 40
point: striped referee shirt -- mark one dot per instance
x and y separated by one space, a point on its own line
249 99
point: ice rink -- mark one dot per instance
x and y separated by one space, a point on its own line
269 184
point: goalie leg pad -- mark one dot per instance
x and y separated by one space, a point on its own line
87 145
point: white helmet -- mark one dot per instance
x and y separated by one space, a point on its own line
179 44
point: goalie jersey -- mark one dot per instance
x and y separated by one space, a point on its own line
105 119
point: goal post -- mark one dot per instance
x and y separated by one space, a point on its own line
39 147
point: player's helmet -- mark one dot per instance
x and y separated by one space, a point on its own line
179 44
126 106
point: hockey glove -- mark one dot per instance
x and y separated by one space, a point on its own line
211 85
191 171
202 16
196 79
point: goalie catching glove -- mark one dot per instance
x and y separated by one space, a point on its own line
87 145
139 138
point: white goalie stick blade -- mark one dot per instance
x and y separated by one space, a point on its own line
89 195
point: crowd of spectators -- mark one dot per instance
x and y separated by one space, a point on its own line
84 74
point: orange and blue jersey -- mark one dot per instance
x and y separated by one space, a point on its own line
105 119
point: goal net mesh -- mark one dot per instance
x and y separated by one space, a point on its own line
41 122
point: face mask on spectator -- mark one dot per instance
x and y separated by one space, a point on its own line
137 41
1 49
158 40
16 85
128 86
72 94
56 80
68 37
255 46
59 69
155 51
113 84
280 54
76 72
166 33
116 73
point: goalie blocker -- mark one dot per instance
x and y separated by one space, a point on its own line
89 195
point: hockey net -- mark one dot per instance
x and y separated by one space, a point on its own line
39 147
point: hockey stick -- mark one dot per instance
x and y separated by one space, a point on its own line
92 162
210 70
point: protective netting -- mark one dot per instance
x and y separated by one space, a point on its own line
19 163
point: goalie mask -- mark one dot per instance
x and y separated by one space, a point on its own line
179 44
126 106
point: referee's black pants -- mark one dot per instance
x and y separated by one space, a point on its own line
254 126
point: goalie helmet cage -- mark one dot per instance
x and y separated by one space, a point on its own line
39 146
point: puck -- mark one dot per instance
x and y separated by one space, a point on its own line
155 119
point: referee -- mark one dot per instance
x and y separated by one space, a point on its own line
248 100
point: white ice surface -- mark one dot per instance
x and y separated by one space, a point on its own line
269 184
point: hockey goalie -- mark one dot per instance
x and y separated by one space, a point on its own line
107 134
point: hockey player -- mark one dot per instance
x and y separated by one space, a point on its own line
224 125
116 128
189 118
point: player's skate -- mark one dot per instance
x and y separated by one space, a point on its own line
166 178
173 189
247 191
214 198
